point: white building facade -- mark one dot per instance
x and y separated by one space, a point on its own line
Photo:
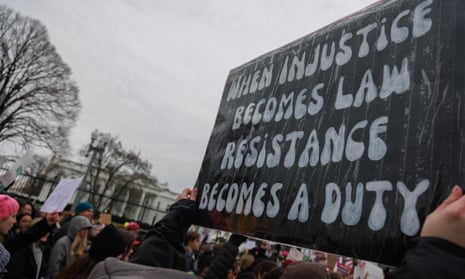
143 202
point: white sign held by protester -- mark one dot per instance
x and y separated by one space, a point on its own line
15 170
295 255
62 194
367 270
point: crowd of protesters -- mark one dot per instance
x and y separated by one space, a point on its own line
37 245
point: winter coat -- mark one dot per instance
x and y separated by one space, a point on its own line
163 247
22 264
14 242
432 258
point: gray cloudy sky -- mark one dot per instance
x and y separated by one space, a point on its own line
153 71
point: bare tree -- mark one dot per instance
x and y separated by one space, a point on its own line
114 170
39 102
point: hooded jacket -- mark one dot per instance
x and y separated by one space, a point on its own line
60 255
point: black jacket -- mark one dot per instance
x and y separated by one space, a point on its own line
14 242
23 266
163 245
432 258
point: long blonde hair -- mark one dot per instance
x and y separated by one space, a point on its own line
79 245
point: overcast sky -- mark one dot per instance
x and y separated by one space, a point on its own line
152 71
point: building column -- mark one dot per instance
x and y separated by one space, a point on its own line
141 202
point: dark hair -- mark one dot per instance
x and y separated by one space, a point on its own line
18 219
245 275
129 239
263 267
22 203
191 236
21 215
80 268
334 275
274 273
205 260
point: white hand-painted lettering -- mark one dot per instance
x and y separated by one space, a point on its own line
393 81
300 207
303 147
233 198
244 203
352 211
250 83
378 211
422 25
332 203
272 207
365 46
292 147
409 220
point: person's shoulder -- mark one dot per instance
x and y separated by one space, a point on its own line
64 240
112 267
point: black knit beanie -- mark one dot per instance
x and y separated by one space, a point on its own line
108 243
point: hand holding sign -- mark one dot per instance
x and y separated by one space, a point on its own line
448 220
189 194
52 218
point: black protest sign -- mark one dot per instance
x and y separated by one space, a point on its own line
346 139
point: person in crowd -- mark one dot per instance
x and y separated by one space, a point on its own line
163 245
246 265
223 263
23 222
203 265
133 228
192 247
263 267
70 246
15 242
31 261
161 253
27 207
303 270
232 272
84 209
259 252
108 243
8 209
274 273
137 242
129 239
94 231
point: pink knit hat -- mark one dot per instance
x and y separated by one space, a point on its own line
8 206
133 226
